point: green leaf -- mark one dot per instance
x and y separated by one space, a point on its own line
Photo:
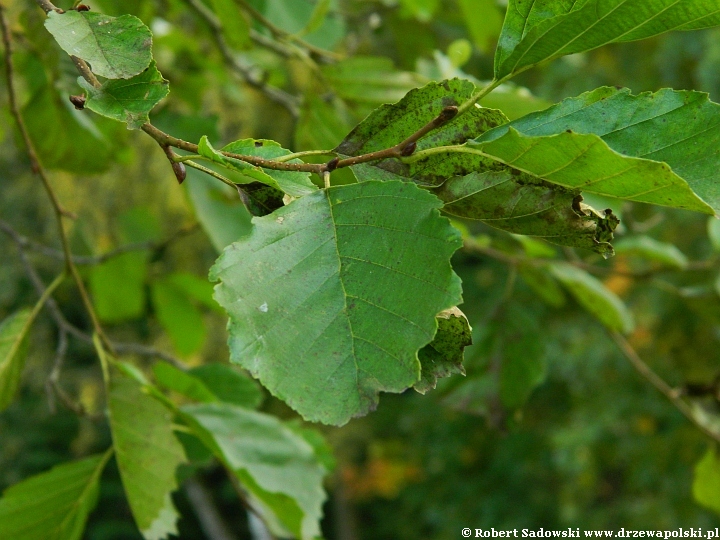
322 123
235 27
53 505
422 10
483 21
292 16
261 199
277 467
706 482
317 18
514 101
391 124
228 385
594 297
443 356
218 209
524 364
538 31
544 285
522 204
587 163
115 47
196 288
147 454
128 100
13 349
346 284
652 250
295 184
178 316
182 382
713 227
679 128
118 287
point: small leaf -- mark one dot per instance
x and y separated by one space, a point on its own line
13 349
295 184
706 482
128 100
594 297
147 454
346 286
652 250
53 505
443 356
118 287
534 32
178 316
115 47
277 467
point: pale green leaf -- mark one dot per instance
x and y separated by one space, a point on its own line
443 356
422 10
317 18
514 101
538 31
128 100
459 52
195 287
679 128
147 454
13 349
277 467
295 184
650 249
53 505
235 27
115 47
178 316
292 16
483 21
706 482
118 287
713 227
346 284
594 297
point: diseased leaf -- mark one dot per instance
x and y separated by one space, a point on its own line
295 184
706 482
538 31
147 454
115 47
346 286
277 467
13 349
680 128
585 162
523 204
652 250
128 100
443 356
594 297
53 505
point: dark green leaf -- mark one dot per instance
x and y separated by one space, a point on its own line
594 297
650 249
706 482
346 284
540 281
182 382
276 466
538 31
13 349
115 47
118 287
676 127
197 288
261 199
128 100
228 385
443 356
53 505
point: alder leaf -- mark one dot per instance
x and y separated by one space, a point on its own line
128 100
680 128
594 297
585 162
147 453
295 184
706 481
277 467
115 47
443 356
331 296
538 31
13 349
53 505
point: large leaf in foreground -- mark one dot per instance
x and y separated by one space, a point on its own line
13 348
128 100
53 505
680 128
587 163
345 286
147 454
537 31
115 47
275 465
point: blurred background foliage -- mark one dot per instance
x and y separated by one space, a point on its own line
551 427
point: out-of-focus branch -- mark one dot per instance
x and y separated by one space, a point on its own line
208 515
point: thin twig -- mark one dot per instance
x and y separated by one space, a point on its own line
672 395
37 166
211 521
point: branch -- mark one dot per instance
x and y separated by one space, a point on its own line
37 166
672 395
207 513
